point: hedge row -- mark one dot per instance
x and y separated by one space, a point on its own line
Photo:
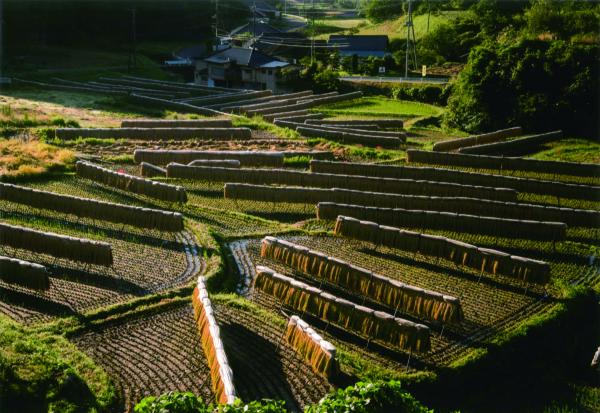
24 273
300 178
246 158
503 163
220 372
397 332
480 259
450 221
131 183
472 206
155 133
535 186
499 135
56 245
393 294
91 208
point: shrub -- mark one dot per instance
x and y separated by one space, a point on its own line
377 397
173 402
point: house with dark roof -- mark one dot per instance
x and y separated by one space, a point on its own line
240 67
360 45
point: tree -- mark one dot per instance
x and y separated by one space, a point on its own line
381 10
536 84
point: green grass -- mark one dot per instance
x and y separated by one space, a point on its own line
41 371
374 106
396 29
571 150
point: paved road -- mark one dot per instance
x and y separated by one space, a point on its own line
394 79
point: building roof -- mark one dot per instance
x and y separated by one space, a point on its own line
377 43
245 57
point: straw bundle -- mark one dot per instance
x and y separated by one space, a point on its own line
471 206
517 146
225 97
504 163
301 118
499 135
325 155
378 325
176 123
149 170
481 259
322 100
357 131
535 186
24 273
186 86
246 158
397 217
318 180
277 103
226 163
317 352
131 183
346 137
170 104
53 86
60 246
91 208
238 105
384 123
220 372
393 294
155 133
271 117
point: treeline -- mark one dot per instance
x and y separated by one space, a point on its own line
108 23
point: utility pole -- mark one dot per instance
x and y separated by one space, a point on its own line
284 6
253 24
410 32
216 19
312 37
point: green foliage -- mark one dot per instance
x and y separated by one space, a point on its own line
535 84
40 371
173 402
381 10
377 397
316 75
176 402
562 19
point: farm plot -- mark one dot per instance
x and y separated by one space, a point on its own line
151 355
144 262
492 304
267 368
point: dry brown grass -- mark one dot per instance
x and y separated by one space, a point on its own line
19 159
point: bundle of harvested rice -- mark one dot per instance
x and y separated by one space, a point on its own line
176 123
225 163
317 352
155 133
535 186
399 333
424 219
393 294
516 146
503 163
220 371
24 273
56 245
246 158
318 180
131 183
499 135
353 138
481 259
384 123
150 171
95 209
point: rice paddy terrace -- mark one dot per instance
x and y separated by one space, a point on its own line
232 261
